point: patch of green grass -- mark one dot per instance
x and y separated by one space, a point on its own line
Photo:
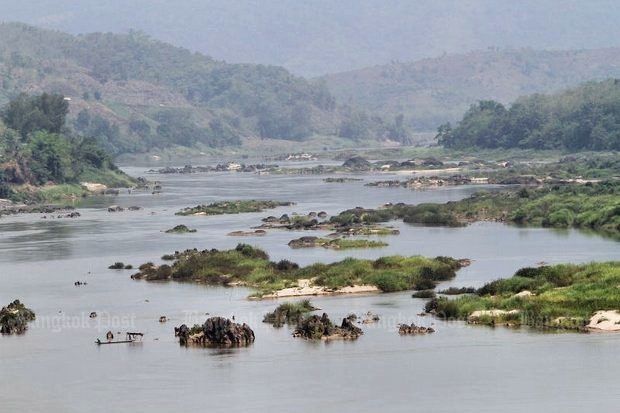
562 295
108 177
289 312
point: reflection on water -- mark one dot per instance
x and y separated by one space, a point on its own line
476 369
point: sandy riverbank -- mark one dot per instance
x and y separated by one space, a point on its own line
605 321
304 288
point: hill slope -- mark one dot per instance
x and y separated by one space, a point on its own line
433 91
133 93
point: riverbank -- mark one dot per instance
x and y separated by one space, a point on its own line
305 288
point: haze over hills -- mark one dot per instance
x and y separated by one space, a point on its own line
325 36
433 91
133 93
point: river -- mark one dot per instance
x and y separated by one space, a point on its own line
56 367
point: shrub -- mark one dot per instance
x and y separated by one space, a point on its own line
424 294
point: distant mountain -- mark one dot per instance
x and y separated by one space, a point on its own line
433 91
133 93
317 37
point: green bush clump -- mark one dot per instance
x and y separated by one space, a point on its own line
290 312
424 294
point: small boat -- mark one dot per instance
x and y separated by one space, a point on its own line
130 338
99 342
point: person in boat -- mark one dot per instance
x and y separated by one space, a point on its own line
109 336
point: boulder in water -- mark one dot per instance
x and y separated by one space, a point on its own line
14 318
216 331
321 328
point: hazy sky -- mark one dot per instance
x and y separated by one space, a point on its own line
314 37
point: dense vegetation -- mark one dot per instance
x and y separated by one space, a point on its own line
35 149
233 207
584 118
133 93
562 296
251 266
588 206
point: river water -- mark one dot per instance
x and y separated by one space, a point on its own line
56 367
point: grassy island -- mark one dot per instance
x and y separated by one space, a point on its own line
250 266
559 296
336 244
232 207
592 206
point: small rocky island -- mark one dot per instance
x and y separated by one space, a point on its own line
322 328
412 330
180 229
335 243
14 318
215 332
233 207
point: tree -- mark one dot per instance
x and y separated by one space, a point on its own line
50 157
27 114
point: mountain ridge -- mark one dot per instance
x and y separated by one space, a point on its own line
437 90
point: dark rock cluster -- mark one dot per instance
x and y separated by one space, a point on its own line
316 328
14 318
216 331
412 329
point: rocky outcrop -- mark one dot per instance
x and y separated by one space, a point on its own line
94 187
303 242
256 233
180 229
357 163
216 331
321 328
412 329
14 318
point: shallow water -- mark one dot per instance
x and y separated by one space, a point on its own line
55 366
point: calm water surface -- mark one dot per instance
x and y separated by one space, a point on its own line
55 367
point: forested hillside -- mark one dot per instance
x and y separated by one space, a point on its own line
134 94
583 118
433 91
37 149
